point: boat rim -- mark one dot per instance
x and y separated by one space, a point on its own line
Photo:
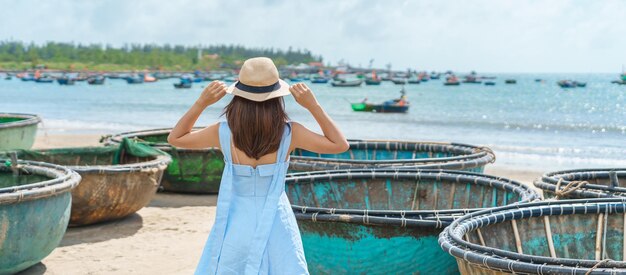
160 162
550 180
435 217
62 180
450 241
28 119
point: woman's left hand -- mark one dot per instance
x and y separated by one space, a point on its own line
212 93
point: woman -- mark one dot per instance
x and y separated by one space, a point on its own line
255 230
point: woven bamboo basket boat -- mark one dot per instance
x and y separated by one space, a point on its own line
17 131
34 212
115 183
378 221
584 183
377 154
583 236
191 171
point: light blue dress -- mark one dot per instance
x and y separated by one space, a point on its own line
255 230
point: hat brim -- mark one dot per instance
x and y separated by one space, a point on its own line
282 91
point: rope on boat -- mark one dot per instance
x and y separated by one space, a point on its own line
597 266
569 188
486 150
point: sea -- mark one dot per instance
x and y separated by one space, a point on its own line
531 125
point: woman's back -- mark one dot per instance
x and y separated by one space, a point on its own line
255 230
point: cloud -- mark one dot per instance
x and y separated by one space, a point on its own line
483 35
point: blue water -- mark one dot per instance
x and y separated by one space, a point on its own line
530 125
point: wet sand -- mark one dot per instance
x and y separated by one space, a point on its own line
166 237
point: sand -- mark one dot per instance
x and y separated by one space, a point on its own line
166 237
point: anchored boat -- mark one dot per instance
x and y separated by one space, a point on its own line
379 154
96 80
35 205
191 170
585 236
346 83
584 183
386 221
17 131
116 181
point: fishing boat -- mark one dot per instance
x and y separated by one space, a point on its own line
415 80
96 80
386 221
362 107
435 75
371 81
490 83
584 236
35 205
134 79
346 83
390 107
45 79
571 84
319 80
191 171
510 81
381 154
471 79
399 81
17 131
452 80
66 80
584 183
117 181
182 85
621 81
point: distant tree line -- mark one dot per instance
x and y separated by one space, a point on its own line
144 55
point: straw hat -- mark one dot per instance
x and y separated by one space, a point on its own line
258 81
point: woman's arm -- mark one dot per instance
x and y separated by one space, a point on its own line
182 136
332 142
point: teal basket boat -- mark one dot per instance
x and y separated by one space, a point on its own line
17 131
584 183
191 171
580 236
381 154
35 203
386 221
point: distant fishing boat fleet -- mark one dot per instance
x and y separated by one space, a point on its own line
336 78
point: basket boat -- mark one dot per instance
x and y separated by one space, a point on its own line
378 221
584 183
116 181
581 236
34 212
378 154
17 131
191 170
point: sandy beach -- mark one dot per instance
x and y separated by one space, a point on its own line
166 237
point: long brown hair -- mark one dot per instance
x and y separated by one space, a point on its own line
256 127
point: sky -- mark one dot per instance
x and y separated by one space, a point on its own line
460 35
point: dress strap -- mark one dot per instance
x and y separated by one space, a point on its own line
285 142
224 134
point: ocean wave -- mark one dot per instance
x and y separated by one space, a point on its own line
78 126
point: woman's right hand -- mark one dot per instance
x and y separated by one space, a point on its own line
304 96
212 93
